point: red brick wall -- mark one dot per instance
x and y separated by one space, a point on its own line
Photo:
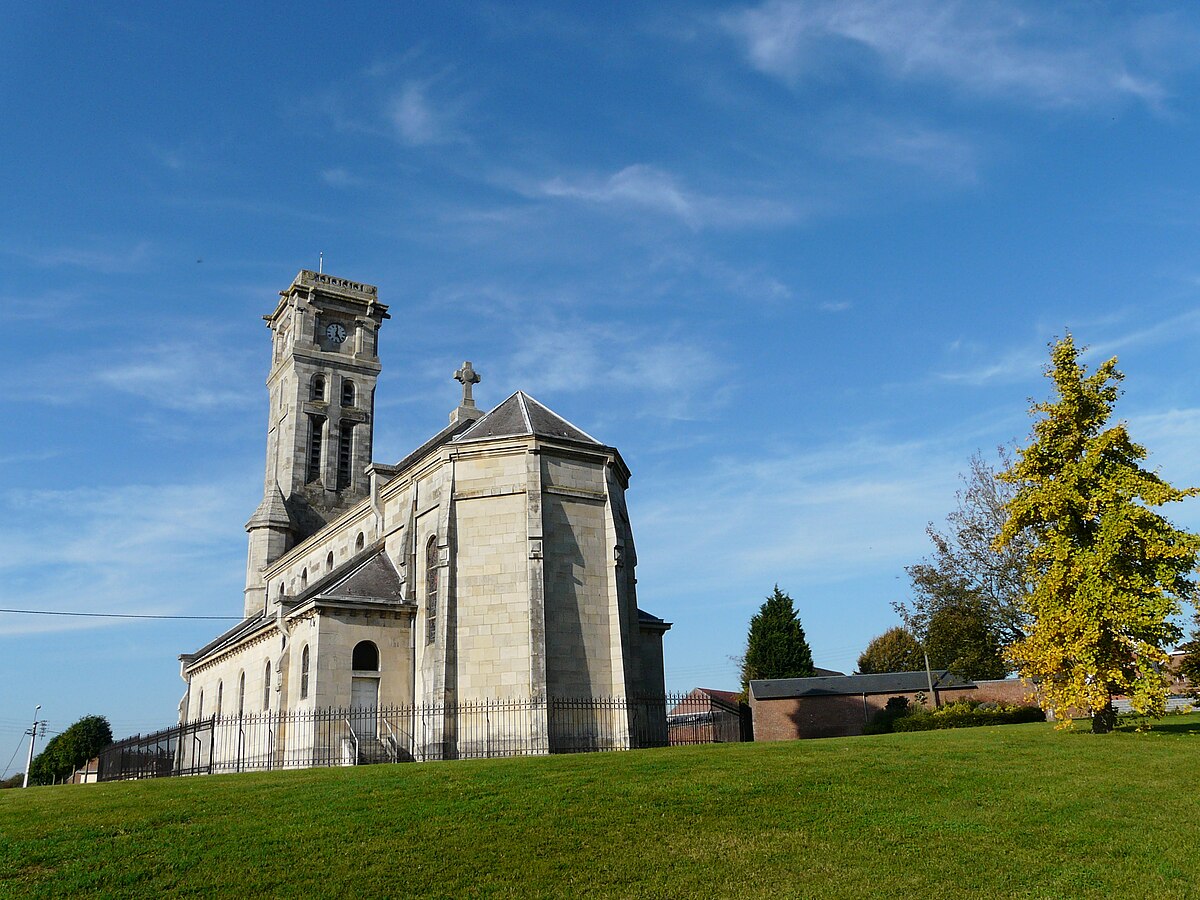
840 716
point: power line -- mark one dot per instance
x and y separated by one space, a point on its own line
91 615
11 758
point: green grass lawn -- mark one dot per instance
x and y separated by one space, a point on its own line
1015 811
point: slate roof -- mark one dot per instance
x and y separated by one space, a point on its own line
442 437
233 635
368 578
521 415
650 621
272 511
832 686
373 579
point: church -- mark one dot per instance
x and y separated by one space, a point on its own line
494 562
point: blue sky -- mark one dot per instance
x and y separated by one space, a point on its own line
796 260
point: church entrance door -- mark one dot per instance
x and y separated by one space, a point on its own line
364 697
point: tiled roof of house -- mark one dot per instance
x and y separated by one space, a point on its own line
829 686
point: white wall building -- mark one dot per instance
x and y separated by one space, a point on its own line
495 561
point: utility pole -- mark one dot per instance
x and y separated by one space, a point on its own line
32 737
929 677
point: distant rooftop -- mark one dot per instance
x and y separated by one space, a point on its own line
829 686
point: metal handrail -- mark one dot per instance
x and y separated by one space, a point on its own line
353 737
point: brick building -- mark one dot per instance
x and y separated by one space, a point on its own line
791 708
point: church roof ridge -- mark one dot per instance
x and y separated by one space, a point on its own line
520 414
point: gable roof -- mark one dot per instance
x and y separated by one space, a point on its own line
368 577
521 415
831 686
729 697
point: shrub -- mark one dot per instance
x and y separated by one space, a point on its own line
882 721
968 714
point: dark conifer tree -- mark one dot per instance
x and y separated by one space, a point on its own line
776 646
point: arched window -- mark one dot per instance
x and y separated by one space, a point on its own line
304 673
200 707
220 691
317 388
366 657
359 542
242 694
304 578
347 392
329 561
281 590
431 589
267 687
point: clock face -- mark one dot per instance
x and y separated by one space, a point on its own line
335 332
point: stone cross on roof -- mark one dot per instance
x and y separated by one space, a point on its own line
467 376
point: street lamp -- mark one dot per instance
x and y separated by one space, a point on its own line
32 738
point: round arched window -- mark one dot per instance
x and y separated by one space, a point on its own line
359 542
366 657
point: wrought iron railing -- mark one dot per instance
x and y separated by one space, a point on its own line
301 739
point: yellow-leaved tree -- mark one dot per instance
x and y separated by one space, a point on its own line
1108 573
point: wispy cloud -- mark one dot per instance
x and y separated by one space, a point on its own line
183 376
822 514
176 375
650 189
673 377
1028 53
1175 328
417 119
113 549
340 178
1012 365
106 261
934 151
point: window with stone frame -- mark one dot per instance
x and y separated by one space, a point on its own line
242 694
329 561
267 687
220 691
317 388
200 707
359 542
347 392
304 673
431 589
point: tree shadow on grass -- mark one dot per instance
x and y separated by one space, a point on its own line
1161 726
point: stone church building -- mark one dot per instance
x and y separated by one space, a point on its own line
493 562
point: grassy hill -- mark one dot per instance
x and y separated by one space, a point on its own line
1018 811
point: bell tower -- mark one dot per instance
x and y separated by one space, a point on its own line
324 364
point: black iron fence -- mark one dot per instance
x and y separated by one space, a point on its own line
300 739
